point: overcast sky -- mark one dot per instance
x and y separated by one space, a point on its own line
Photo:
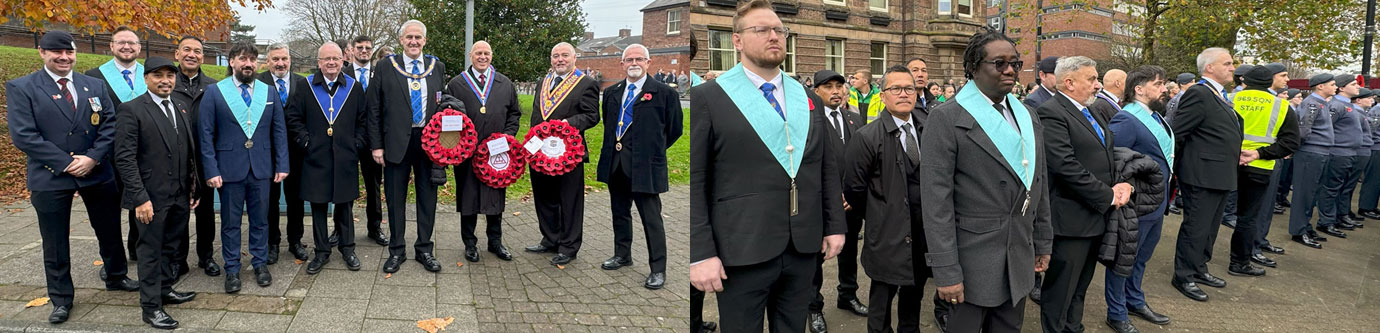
613 15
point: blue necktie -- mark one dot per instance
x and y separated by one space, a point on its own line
1159 119
1226 95
127 79
363 80
244 93
282 91
766 91
1094 125
416 96
625 117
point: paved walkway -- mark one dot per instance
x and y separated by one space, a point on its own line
1335 289
524 295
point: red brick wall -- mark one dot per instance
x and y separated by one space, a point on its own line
1023 30
654 28
612 70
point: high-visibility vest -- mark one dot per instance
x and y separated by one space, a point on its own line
875 106
1262 115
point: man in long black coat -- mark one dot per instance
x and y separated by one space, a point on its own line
572 96
324 118
473 197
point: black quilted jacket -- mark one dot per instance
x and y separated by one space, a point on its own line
1120 243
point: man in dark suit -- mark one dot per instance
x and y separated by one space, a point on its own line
244 149
765 193
921 72
568 95
1078 148
154 155
330 169
977 204
124 80
401 101
62 121
191 85
1207 134
360 65
1045 90
283 81
832 89
478 88
647 120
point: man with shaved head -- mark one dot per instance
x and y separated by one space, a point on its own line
489 98
1113 85
566 94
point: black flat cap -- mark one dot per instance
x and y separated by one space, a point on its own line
1185 78
1343 80
824 76
1047 64
1320 79
153 64
1257 76
57 40
1242 70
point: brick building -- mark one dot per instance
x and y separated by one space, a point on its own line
14 33
1097 29
665 33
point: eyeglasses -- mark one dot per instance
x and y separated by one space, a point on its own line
634 60
331 58
1001 64
761 31
898 91
126 43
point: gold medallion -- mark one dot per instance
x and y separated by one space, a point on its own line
483 110
416 85
618 146
95 119
330 131
248 144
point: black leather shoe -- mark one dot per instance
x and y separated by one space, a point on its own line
501 252
616 262
104 276
1229 223
1306 241
178 297
1149 315
317 264
1122 326
1272 249
160 319
59 314
817 324
429 262
298 251
1284 203
1245 270
540 249
179 270
1371 214
272 254
335 239
1331 231
1316 236
1354 217
1175 210
1209 280
351 261
378 238
1344 225
1191 290
471 254
1279 210
854 306
561 259
232 283
708 326
209 267
1263 260
391 265
1035 293
655 281
262 277
123 284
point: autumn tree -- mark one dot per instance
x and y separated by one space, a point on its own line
521 32
166 17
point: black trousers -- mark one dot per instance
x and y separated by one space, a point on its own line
344 225
848 265
907 306
621 200
1286 179
415 166
560 204
291 188
493 228
967 317
373 179
206 229
696 310
1202 213
1252 189
1071 268
54 209
157 246
778 288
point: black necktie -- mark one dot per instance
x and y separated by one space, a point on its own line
554 83
172 117
1002 110
838 123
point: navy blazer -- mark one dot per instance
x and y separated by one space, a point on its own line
222 141
1131 133
50 133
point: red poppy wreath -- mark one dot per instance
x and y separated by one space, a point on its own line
435 144
502 170
561 148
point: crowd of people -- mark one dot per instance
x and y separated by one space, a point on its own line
997 193
162 139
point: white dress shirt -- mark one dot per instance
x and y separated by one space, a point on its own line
71 86
778 93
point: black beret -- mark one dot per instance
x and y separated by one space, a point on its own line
1276 68
1343 80
1294 93
1363 93
1185 78
1047 64
1242 70
824 76
57 40
1320 79
153 64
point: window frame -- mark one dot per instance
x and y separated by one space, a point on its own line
679 21
886 6
940 9
731 51
842 57
877 71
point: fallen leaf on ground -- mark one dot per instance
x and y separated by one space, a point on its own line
37 302
560 266
517 213
460 264
98 262
16 210
388 276
298 261
434 324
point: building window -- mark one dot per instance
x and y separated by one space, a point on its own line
878 59
993 3
946 7
877 5
722 56
836 2
788 66
965 7
833 55
673 21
